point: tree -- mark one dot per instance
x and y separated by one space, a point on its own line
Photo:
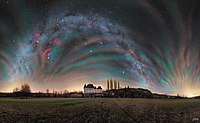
16 92
25 90
65 93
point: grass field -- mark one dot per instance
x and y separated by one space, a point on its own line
99 110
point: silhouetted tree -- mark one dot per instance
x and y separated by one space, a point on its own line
25 90
16 89
47 93
16 92
66 93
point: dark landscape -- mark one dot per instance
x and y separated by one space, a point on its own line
99 110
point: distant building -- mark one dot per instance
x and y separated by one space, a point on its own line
91 91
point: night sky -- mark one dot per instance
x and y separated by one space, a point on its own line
153 44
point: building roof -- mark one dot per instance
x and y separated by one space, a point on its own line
92 86
99 87
89 86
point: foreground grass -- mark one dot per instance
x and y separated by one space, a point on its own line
100 110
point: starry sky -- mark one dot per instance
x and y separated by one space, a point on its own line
153 44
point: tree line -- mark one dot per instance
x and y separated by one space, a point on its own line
25 92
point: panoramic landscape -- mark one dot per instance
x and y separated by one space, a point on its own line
100 61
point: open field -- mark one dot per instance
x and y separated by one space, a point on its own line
99 110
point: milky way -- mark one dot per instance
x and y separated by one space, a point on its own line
61 45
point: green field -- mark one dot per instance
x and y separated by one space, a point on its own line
99 110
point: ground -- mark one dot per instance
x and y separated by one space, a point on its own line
99 110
